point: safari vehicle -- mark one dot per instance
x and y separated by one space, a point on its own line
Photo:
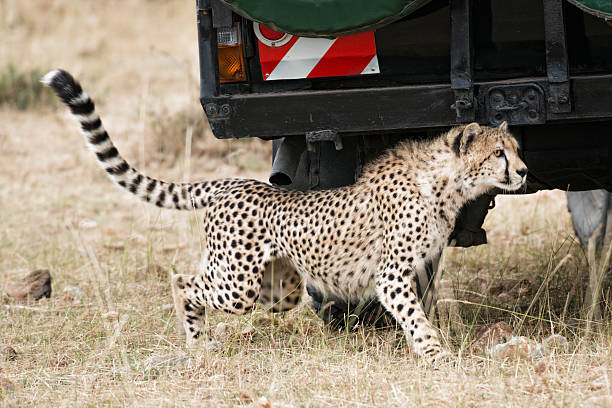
334 82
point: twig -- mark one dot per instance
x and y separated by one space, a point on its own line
42 309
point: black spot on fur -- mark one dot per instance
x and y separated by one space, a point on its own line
151 186
135 183
162 196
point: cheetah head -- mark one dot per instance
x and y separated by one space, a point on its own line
491 157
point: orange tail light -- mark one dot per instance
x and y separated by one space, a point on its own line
231 60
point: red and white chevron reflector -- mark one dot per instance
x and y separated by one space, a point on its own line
283 56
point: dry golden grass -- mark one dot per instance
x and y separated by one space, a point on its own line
108 337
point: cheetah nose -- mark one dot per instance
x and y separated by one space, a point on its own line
522 172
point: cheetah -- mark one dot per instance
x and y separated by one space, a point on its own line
359 241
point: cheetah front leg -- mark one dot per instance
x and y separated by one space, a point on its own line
396 294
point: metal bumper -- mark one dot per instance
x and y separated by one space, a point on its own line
384 110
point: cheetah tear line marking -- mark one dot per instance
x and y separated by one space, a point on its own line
362 240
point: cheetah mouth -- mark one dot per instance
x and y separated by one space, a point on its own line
512 186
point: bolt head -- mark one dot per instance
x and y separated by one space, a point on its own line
210 109
226 110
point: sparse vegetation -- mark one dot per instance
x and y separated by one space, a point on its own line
108 337
117 342
172 132
22 89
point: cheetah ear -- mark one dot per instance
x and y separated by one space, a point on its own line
504 126
464 139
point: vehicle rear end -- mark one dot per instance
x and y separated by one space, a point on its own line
543 66
332 102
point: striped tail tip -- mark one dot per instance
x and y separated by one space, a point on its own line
63 84
48 78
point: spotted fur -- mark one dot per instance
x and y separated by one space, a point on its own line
358 241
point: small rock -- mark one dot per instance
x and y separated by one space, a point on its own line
172 248
540 368
35 286
6 385
600 383
574 323
60 361
222 331
601 379
491 335
138 238
144 272
73 293
167 306
165 362
88 224
261 402
253 400
556 342
600 401
110 316
247 330
8 352
516 347
119 246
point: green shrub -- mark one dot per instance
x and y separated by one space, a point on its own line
23 90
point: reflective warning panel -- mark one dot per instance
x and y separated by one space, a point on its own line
285 56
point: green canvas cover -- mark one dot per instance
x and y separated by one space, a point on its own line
599 8
324 18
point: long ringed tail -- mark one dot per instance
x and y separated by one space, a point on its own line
181 196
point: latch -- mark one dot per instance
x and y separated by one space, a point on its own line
521 104
464 105
327 135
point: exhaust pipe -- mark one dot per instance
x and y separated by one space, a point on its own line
286 160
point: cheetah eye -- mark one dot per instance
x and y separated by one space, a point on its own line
498 152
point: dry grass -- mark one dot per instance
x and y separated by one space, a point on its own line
107 336
170 131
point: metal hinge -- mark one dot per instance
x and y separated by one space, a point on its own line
462 60
521 104
559 100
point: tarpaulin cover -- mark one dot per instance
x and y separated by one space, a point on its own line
324 18
599 8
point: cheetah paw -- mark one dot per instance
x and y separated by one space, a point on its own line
443 358
207 344
439 358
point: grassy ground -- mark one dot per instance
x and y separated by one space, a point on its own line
107 335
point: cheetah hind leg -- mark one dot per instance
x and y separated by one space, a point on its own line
190 307
281 286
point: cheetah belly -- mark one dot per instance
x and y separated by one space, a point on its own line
348 277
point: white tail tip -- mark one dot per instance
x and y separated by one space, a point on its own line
49 77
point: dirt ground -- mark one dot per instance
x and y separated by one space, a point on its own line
108 337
